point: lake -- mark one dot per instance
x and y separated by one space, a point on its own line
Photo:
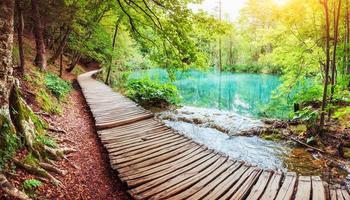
241 93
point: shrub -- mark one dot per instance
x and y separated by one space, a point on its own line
148 92
59 87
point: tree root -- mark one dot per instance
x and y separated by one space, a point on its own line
57 130
37 171
58 153
9 189
53 168
71 163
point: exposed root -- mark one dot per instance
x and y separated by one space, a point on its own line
58 153
9 189
57 130
37 171
71 163
53 168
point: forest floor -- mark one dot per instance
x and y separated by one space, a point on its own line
89 173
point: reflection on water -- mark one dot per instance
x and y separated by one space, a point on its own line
238 92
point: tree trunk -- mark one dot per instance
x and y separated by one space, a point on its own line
62 45
327 48
74 62
347 37
61 64
40 58
6 45
113 47
335 44
20 29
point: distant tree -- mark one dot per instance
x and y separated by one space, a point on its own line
40 58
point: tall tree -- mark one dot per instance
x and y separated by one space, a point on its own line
120 18
327 63
6 83
40 58
20 28
336 15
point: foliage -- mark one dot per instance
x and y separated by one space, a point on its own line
30 185
46 101
148 92
43 139
8 140
59 87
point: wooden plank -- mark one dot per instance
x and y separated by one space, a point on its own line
206 180
273 186
149 148
150 157
153 169
224 186
345 193
287 188
181 185
143 154
147 186
241 189
304 188
157 191
339 194
116 123
333 193
260 186
171 168
318 190
161 159
159 136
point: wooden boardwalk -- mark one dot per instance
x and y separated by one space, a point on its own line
156 162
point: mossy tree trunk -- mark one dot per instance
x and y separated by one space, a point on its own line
6 84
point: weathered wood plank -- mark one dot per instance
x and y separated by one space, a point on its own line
273 186
286 191
318 190
260 186
304 188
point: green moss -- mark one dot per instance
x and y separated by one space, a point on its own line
30 160
44 139
272 137
21 111
48 103
8 140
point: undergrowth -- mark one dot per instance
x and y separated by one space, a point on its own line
49 90
57 86
147 92
9 142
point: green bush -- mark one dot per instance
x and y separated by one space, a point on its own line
148 92
59 87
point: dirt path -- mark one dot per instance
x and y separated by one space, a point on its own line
95 179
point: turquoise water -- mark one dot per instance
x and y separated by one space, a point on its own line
242 93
